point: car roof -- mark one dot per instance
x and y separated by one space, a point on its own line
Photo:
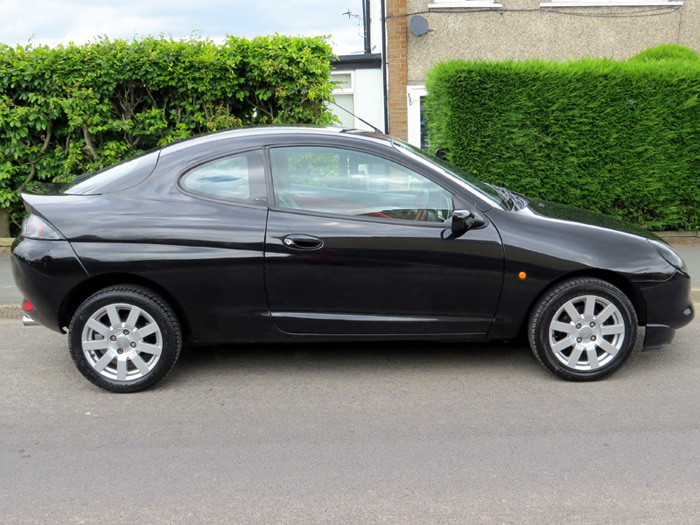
271 131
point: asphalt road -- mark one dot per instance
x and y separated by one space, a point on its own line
418 433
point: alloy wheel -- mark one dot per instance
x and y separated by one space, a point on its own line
122 342
586 333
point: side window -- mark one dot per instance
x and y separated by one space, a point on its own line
238 177
345 182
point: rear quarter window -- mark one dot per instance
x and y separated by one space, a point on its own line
225 179
239 177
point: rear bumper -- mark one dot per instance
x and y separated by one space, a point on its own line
45 272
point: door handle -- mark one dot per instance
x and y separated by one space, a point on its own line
302 242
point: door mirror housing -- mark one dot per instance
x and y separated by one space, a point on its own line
441 154
465 220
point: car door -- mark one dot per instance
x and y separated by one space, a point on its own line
357 243
218 216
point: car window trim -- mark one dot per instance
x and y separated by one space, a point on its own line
363 218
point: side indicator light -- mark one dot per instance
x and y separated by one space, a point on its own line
522 275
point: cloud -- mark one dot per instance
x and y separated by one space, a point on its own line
51 22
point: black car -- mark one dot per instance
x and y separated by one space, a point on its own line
284 234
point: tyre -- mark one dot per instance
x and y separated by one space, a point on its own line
124 338
583 329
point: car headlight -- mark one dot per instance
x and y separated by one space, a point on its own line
34 227
668 254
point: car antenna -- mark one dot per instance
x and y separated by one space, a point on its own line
375 128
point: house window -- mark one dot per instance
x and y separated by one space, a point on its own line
610 3
460 4
417 126
344 95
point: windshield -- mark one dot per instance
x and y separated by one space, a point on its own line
487 192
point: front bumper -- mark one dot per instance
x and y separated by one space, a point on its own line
668 307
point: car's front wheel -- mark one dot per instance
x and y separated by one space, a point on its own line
583 329
125 338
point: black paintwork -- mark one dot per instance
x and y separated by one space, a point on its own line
228 273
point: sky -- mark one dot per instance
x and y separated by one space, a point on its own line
63 21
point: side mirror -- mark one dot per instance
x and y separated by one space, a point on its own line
465 220
441 153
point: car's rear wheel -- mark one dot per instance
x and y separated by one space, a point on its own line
125 338
583 329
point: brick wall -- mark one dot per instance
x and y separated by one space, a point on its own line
397 65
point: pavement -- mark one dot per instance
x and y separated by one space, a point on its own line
11 299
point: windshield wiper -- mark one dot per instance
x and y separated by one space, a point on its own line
514 200
519 201
503 193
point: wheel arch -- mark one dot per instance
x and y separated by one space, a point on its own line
617 280
93 285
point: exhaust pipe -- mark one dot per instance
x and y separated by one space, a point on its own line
28 321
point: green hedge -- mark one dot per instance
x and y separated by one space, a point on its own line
76 109
622 138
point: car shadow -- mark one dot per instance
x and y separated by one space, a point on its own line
497 360
355 356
